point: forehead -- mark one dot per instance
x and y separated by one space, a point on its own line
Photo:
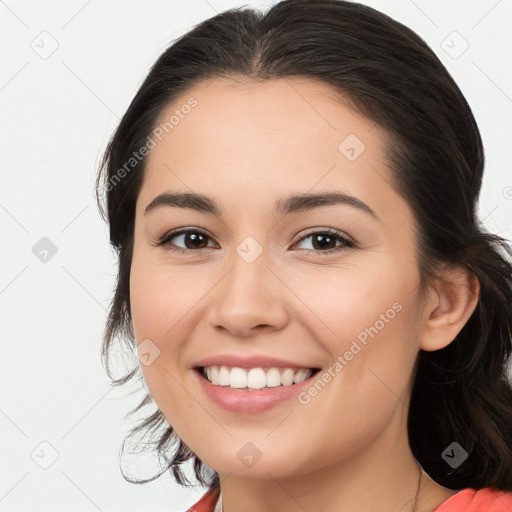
275 135
258 118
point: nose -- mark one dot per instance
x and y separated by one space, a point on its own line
249 299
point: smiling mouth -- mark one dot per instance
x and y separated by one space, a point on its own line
253 379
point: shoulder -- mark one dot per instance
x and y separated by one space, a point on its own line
487 499
207 502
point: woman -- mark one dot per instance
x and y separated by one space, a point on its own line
321 319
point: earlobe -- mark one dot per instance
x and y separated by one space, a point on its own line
449 307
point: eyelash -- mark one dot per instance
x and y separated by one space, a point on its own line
165 240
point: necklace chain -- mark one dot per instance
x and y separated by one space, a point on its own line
415 504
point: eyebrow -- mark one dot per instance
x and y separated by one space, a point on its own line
284 206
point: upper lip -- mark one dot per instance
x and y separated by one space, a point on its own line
252 361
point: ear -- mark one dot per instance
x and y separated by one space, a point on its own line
448 306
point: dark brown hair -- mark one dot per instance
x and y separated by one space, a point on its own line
461 393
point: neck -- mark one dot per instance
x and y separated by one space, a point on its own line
381 477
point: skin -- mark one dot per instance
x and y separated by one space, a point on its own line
247 145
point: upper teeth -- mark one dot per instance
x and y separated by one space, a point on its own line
255 378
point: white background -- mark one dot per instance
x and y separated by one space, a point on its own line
57 114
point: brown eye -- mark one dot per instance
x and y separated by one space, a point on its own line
192 239
325 241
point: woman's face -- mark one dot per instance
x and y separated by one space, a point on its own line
256 280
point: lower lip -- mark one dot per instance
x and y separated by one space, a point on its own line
238 400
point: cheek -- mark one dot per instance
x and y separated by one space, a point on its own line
166 304
373 352
355 303
153 319
161 298
369 324
159 303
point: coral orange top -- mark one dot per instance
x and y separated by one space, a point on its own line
466 500
206 503
487 499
